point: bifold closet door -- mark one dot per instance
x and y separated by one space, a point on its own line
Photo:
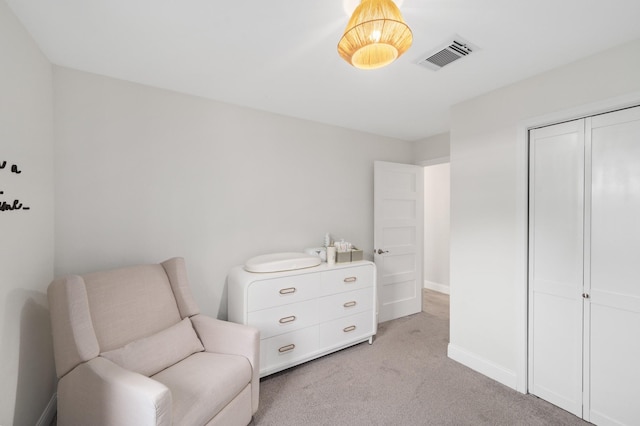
556 206
612 325
584 266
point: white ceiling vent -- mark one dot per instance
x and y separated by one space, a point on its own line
451 51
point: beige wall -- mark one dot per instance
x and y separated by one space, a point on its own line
143 174
488 202
27 378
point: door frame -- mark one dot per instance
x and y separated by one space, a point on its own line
424 164
521 259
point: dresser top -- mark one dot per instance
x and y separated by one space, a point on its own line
239 273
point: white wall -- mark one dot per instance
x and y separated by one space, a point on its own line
145 174
488 203
27 377
436 227
432 150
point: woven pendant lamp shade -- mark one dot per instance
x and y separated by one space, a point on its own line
375 36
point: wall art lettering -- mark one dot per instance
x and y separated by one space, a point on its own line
9 205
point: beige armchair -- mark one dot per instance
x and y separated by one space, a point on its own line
132 349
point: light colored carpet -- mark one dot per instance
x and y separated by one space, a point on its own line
404 378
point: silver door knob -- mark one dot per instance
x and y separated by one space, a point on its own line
380 251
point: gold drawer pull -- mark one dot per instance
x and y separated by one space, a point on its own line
350 304
287 348
289 290
287 319
351 279
348 329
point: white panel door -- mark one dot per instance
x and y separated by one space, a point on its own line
613 348
556 207
398 235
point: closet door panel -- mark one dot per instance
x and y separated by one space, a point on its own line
615 351
614 346
556 264
615 211
557 188
557 371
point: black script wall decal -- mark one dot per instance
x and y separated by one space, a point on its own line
16 204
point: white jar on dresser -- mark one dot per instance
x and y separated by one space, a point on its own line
306 313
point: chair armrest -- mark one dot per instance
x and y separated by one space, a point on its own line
100 391
231 338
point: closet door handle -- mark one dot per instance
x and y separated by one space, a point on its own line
348 329
350 304
351 279
289 290
286 348
285 320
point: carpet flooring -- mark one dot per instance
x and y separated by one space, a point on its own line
403 378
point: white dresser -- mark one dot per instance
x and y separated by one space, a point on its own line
305 313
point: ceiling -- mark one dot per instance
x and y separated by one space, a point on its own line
280 55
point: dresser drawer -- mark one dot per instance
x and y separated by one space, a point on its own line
347 329
345 304
347 279
278 291
288 348
282 319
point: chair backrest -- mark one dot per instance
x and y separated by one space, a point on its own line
102 311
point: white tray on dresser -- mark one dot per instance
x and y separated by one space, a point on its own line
306 313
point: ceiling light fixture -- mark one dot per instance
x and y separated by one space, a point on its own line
376 35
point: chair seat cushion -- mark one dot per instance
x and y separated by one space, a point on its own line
203 384
154 353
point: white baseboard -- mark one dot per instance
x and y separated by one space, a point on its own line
436 287
49 412
483 366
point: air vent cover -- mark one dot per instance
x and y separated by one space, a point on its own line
452 51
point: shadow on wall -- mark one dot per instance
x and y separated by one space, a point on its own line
36 380
222 306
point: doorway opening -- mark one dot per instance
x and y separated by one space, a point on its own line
436 233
